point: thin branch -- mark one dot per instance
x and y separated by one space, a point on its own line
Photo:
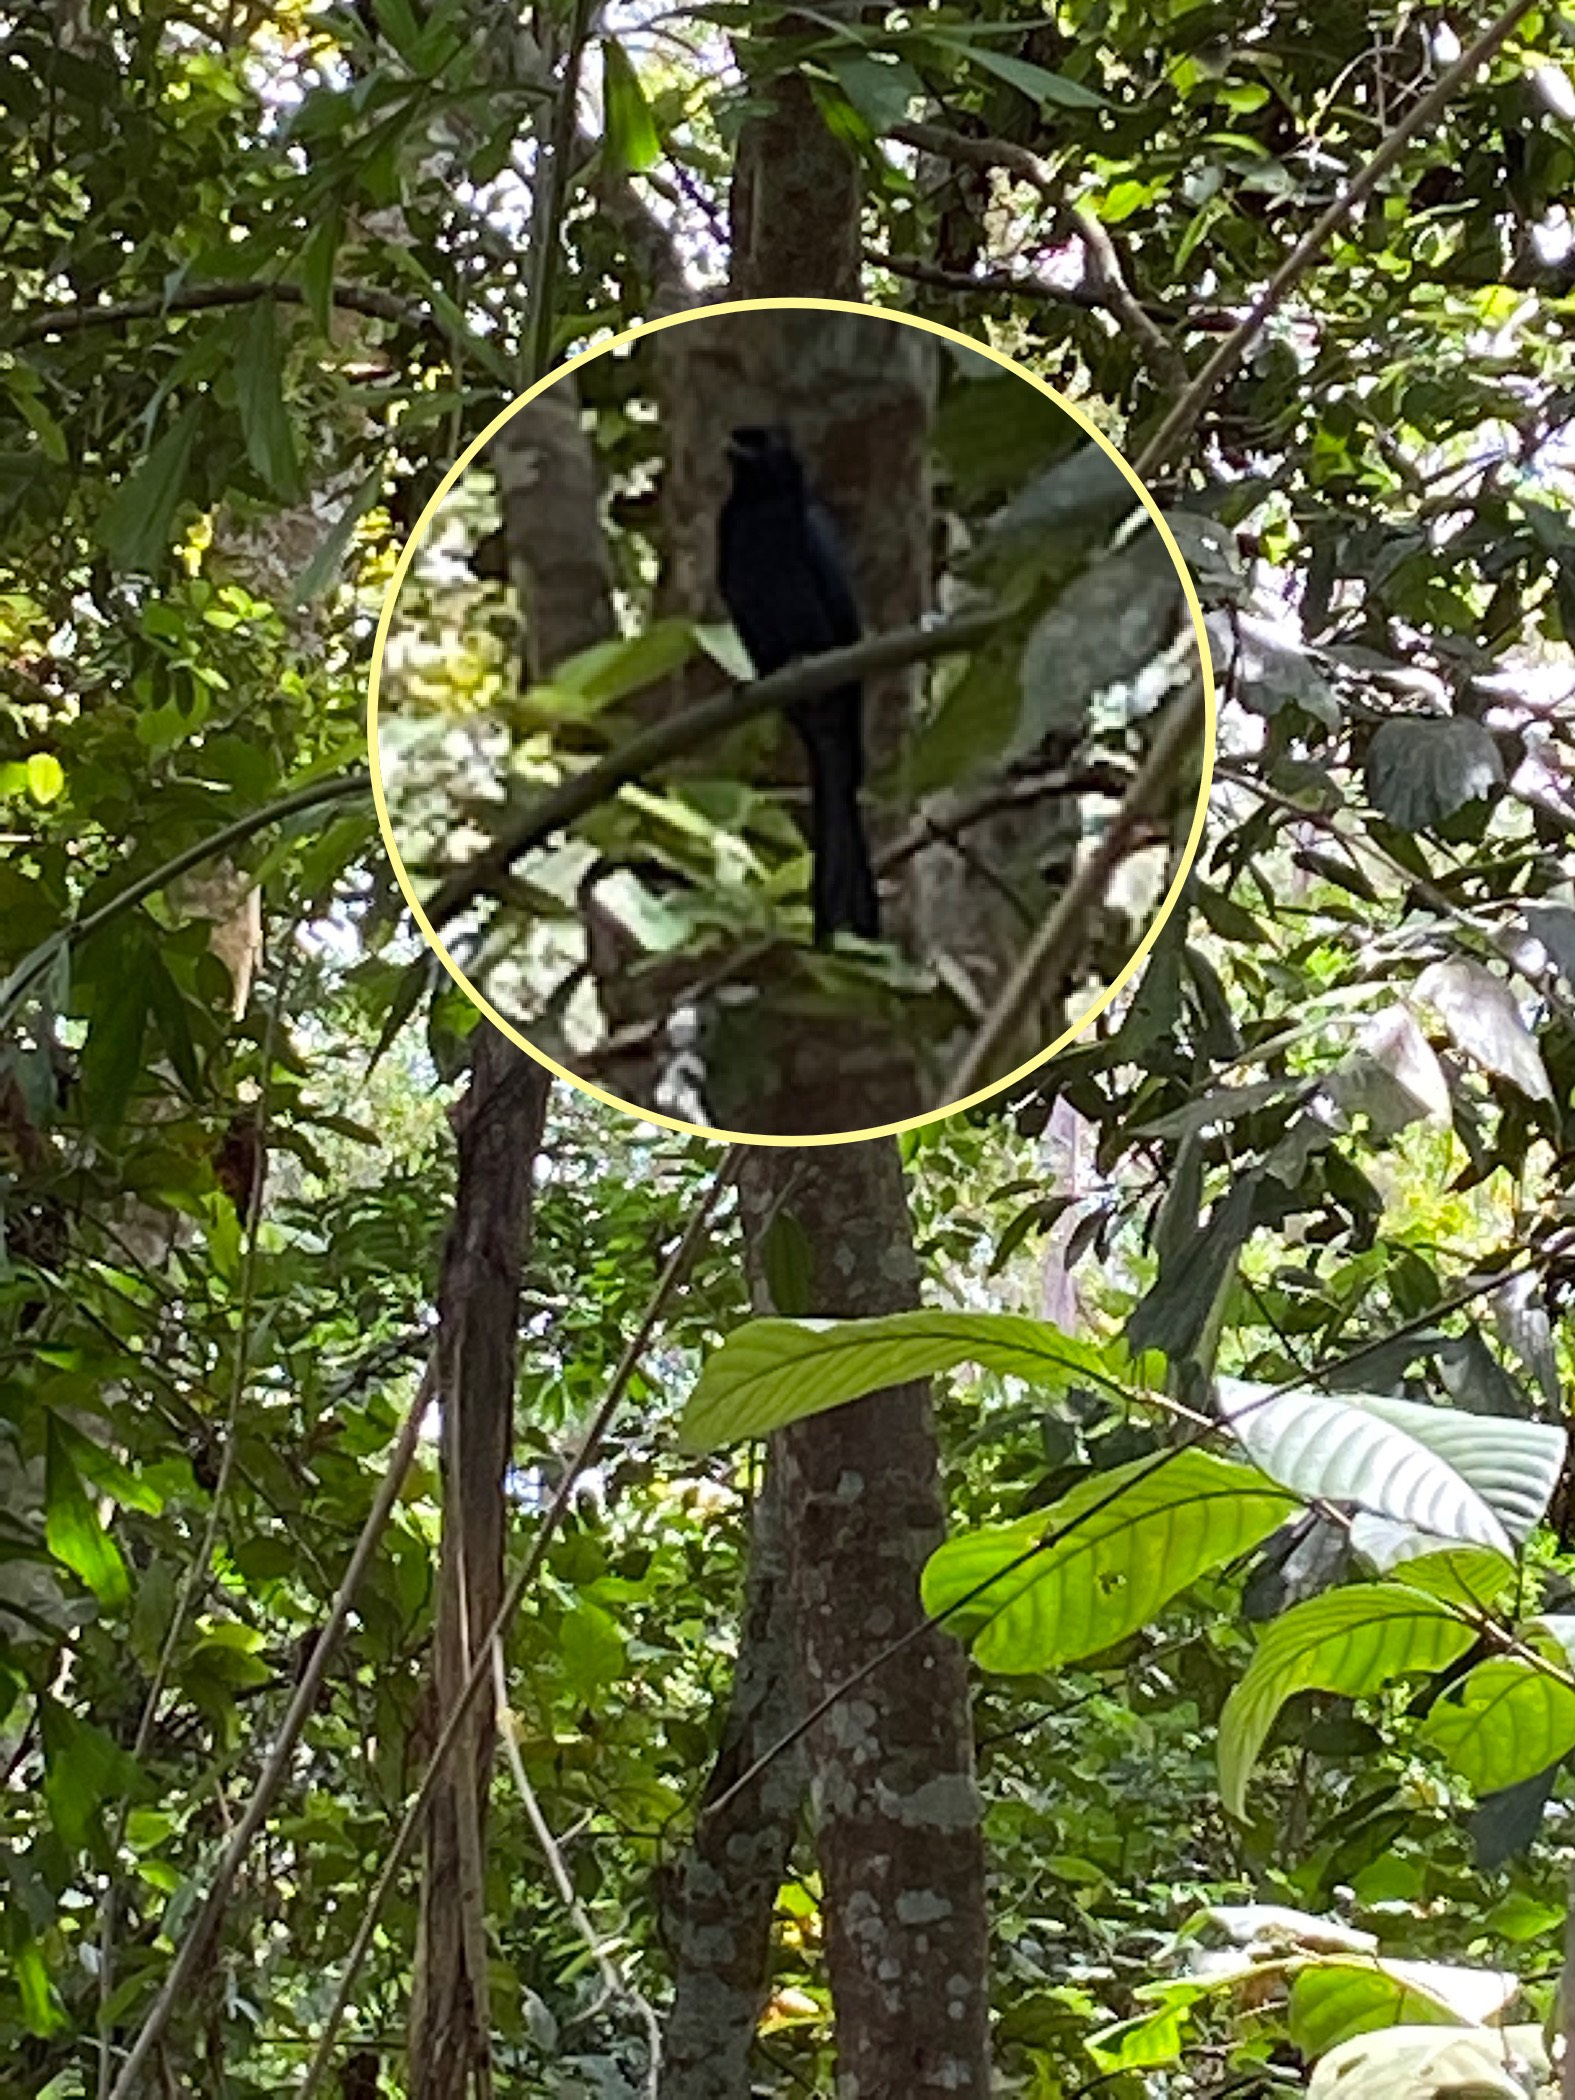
1041 965
1007 282
199 1938
199 298
196 1573
1230 353
614 1982
1110 289
550 195
685 732
338 787
410 1823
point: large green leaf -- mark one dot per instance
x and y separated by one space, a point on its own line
72 1530
1421 769
1513 1465
1133 1539
1338 1997
772 1372
1417 2063
1507 1721
632 140
1474 1576
1475 1479
259 394
1351 1641
134 526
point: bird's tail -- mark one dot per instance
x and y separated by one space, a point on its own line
844 894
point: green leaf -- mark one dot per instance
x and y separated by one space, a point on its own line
99 1465
259 393
1173 1315
134 526
1351 1641
316 270
633 142
1421 769
24 387
787 1255
772 1372
1336 1998
593 1651
1101 631
1036 82
1142 1533
1143 2044
46 776
72 1530
1506 1722
880 89
608 671
111 972
82 1770
1484 1018
42 2012
323 569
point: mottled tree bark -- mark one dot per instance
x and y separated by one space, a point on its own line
895 1801
855 1492
499 1123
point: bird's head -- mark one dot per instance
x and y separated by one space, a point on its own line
763 460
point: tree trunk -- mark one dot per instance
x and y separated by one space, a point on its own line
499 1125
855 1494
895 1800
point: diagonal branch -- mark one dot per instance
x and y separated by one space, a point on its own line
1043 962
1420 117
1109 288
685 732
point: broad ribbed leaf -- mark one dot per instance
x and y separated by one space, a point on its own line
1338 1998
1142 1533
1475 1576
1351 1641
1475 1479
1505 1723
772 1372
1513 1465
1407 2063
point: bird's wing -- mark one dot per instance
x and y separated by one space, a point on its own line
829 567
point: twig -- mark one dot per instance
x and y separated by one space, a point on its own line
199 298
614 1982
1229 354
229 1451
550 194
1040 966
339 787
195 1946
1110 289
685 732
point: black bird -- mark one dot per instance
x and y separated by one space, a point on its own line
784 580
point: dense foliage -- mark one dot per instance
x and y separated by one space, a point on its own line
267 272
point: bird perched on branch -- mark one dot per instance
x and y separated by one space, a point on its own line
784 581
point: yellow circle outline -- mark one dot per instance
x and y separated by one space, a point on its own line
634 1109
